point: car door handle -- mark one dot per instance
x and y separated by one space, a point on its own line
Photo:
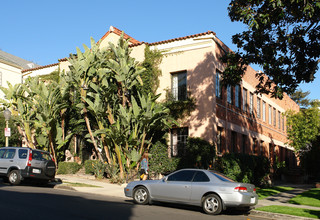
11 160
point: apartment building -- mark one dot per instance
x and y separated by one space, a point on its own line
235 118
11 68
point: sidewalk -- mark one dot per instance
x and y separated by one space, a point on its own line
108 189
103 186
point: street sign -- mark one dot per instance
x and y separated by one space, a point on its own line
7 132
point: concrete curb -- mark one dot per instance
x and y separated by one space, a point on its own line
276 216
65 187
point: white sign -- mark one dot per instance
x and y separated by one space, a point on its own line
7 132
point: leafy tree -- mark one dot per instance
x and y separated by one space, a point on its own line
283 37
300 98
119 119
303 127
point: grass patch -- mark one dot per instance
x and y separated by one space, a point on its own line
311 198
265 192
308 213
80 185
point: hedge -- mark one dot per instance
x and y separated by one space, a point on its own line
243 167
68 167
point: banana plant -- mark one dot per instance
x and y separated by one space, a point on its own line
21 106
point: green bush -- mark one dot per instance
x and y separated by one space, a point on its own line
159 162
99 169
89 166
68 167
199 154
244 168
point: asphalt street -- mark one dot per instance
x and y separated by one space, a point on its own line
44 202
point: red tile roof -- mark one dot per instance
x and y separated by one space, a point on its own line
182 38
40 67
119 32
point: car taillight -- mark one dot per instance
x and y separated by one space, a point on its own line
29 159
240 189
254 190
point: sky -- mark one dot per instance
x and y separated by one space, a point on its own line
45 31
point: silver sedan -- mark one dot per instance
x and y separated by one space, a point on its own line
208 189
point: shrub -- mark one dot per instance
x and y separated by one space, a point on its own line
89 166
244 168
68 167
199 154
99 169
159 162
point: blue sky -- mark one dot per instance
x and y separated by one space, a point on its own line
45 31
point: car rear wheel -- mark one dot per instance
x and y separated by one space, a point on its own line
211 204
141 195
14 177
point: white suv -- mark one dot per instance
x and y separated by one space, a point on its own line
18 163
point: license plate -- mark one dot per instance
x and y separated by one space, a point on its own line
253 200
36 171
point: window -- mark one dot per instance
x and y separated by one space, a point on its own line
251 103
237 96
219 139
9 154
233 141
229 94
244 140
218 84
274 117
201 177
179 138
179 86
264 111
23 153
244 99
221 176
254 145
258 107
184 175
279 122
2 152
270 114
282 123
261 147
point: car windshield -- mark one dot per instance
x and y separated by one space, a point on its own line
221 176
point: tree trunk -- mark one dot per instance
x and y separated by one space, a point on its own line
91 135
52 149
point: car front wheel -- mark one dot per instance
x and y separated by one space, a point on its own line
141 195
211 204
14 177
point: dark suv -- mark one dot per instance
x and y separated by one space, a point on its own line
18 163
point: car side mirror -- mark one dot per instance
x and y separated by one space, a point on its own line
164 179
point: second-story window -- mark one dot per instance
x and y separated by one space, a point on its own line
258 107
229 94
264 111
251 103
218 84
179 86
279 122
270 114
244 99
237 96
274 117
